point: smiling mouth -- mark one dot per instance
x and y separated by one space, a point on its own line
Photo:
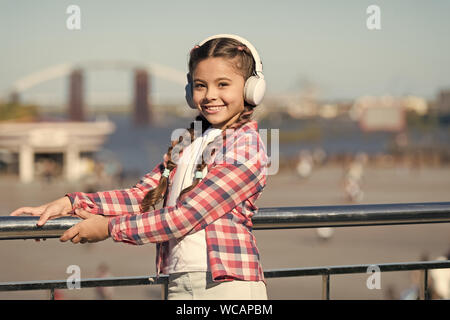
213 108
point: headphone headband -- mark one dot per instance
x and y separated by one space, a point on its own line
255 55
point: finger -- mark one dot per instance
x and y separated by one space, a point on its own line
24 210
69 234
43 219
83 213
77 239
17 212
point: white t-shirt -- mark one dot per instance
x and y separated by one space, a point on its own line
189 253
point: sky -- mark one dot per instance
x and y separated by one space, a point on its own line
324 43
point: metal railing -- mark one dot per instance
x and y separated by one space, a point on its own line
24 227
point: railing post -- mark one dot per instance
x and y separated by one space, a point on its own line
326 286
52 294
424 293
165 290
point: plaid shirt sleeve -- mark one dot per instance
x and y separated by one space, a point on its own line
117 202
226 185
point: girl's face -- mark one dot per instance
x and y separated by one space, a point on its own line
218 91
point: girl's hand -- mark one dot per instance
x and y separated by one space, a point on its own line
93 229
51 210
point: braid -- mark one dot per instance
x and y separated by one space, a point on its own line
244 117
155 195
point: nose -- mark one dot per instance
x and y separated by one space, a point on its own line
211 94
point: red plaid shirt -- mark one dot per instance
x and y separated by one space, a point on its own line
223 204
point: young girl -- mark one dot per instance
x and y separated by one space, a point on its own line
208 182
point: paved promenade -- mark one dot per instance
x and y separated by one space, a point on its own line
29 260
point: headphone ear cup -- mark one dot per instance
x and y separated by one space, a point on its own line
254 90
188 93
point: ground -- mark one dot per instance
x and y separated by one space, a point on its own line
27 260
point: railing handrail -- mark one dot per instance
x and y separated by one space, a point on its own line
24 227
276 273
352 215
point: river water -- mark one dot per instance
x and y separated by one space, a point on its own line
139 149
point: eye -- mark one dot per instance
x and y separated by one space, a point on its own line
198 85
223 84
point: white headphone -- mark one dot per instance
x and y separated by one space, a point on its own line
255 86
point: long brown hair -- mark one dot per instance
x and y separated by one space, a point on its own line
243 61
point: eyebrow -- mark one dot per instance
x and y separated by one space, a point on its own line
218 79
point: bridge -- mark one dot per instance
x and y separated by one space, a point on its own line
142 112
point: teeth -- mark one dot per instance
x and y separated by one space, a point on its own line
214 108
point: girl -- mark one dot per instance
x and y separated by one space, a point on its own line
208 183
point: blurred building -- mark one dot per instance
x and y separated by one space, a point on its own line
67 138
417 104
385 113
443 102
